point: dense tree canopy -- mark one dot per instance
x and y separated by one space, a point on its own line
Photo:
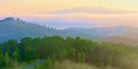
59 48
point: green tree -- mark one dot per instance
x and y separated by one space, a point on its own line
14 54
27 41
28 53
6 59
62 55
34 53
1 57
18 54
12 43
8 51
109 57
72 53
81 57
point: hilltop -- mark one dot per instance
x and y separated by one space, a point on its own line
11 28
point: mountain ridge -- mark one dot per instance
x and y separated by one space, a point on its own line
11 28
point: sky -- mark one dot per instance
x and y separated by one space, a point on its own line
73 12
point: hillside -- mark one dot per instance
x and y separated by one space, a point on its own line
132 34
55 50
11 28
120 39
104 31
118 34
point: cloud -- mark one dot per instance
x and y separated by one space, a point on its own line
90 10
40 12
14 12
82 17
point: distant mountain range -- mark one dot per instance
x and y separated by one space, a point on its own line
117 34
11 28
104 31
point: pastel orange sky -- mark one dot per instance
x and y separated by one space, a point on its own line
52 5
109 12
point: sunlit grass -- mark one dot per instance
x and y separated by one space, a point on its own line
67 64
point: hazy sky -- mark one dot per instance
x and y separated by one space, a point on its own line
100 12
52 5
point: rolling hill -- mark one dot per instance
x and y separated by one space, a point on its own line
11 28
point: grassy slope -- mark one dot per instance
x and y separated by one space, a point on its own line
116 39
66 64
19 66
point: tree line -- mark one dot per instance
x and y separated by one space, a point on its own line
56 47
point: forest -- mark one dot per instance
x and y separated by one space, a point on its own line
56 50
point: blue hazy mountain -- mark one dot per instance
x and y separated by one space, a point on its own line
104 31
11 28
